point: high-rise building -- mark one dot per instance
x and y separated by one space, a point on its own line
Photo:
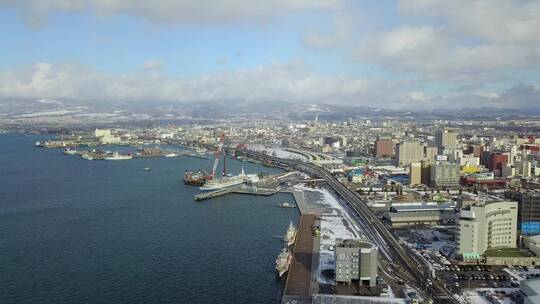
445 175
384 147
426 174
528 210
487 225
415 174
446 140
430 154
496 162
356 261
409 152
469 159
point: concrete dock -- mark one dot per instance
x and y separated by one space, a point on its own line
239 190
298 287
301 203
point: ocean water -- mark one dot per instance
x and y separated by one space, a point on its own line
78 231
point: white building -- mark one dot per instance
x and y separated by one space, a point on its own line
487 225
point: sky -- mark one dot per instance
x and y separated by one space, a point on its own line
406 54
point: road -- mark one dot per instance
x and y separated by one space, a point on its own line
409 266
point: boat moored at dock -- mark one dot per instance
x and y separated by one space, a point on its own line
118 156
70 151
196 178
229 181
290 235
283 261
286 205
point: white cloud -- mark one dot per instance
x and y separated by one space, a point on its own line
417 96
284 82
500 21
200 11
340 30
153 64
488 95
290 82
436 53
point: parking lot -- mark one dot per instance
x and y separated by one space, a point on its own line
476 276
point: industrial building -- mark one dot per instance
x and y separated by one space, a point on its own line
356 261
424 214
486 225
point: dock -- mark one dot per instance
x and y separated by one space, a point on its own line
298 288
239 190
300 200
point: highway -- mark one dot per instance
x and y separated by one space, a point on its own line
411 269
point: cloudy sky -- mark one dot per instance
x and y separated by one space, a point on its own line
395 54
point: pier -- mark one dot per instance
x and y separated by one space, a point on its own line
298 288
240 190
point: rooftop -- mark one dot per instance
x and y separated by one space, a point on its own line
352 243
507 252
423 207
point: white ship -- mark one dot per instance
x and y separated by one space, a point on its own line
172 154
290 236
283 261
70 151
229 181
118 156
87 156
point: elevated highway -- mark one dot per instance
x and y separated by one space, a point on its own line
408 265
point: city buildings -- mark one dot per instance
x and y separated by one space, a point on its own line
409 152
356 261
384 147
446 140
528 210
486 225
445 175
415 215
496 162
415 174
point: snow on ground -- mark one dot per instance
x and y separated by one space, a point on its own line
481 295
521 274
433 240
278 152
335 224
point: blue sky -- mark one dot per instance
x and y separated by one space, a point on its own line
406 53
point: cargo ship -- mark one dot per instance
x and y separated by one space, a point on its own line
195 178
229 181
283 261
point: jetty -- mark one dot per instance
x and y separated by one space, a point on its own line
238 190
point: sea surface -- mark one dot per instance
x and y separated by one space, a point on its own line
78 231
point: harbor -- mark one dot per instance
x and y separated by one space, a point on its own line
298 263
138 227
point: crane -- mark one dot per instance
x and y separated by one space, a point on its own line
217 155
